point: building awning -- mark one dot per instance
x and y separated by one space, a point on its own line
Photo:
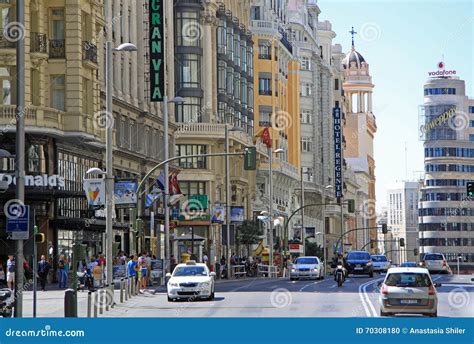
87 224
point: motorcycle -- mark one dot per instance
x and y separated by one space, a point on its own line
6 302
339 275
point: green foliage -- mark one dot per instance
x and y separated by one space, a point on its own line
313 249
249 233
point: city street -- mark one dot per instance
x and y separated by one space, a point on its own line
358 297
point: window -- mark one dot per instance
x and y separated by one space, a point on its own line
255 12
306 117
471 109
188 29
306 90
58 92
222 77
192 163
472 124
264 50
189 111
306 144
265 84
305 63
6 83
471 137
438 91
222 37
265 116
336 84
308 174
57 24
189 70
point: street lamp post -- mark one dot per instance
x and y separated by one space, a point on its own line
109 180
270 155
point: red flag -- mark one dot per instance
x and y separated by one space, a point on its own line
266 139
174 184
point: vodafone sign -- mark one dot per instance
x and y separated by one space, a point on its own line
441 71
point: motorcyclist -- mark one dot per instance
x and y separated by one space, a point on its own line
340 260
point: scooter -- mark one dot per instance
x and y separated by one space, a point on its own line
6 302
339 275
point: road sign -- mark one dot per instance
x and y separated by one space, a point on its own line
18 225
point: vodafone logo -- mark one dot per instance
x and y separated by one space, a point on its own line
441 71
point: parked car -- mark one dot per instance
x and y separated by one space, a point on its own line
307 267
380 263
408 291
359 262
435 262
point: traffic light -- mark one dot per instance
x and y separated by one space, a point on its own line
351 205
402 242
470 189
250 159
384 228
40 238
415 251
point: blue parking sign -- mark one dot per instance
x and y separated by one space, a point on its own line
18 224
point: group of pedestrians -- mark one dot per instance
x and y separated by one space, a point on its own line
139 267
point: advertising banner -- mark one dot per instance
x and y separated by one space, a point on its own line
95 192
157 46
125 193
218 214
338 181
236 214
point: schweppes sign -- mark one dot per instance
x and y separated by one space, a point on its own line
157 56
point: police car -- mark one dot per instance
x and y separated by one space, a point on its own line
191 281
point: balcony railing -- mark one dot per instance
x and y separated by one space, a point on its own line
89 52
4 42
265 92
39 43
57 49
265 56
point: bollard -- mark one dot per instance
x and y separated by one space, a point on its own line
89 304
121 290
70 304
96 302
101 300
107 297
126 288
137 288
131 287
112 295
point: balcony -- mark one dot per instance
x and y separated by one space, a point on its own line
6 43
57 49
89 52
265 56
38 43
264 27
265 92
35 116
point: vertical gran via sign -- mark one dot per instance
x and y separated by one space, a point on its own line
338 180
157 56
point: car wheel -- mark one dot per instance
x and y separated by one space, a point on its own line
371 274
170 299
434 315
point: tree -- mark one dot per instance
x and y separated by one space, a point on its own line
313 249
249 233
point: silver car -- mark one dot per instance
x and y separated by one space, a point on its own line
408 291
436 262
380 263
307 267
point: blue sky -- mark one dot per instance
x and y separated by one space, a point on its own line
402 41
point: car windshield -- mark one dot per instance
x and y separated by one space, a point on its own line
409 265
408 279
306 261
358 256
190 271
433 257
379 258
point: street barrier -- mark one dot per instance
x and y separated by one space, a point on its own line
121 290
96 303
89 304
101 300
107 297
267 271
238 270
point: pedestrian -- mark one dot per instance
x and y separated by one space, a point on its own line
43 270
143 271
62 272
172 263
2 273
11 272
148 265
132 268
205 259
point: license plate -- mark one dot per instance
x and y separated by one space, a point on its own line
408 302
359 268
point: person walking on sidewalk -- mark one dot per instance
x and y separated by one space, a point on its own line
62 271
143 271
11 272
43 270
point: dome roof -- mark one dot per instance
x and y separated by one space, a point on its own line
353 56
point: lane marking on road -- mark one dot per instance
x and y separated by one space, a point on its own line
364 297
308 285
457 285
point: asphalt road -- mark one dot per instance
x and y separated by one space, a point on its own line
358 297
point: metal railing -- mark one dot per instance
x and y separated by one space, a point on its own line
57 48
38 43
267 271
4 42
89 52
